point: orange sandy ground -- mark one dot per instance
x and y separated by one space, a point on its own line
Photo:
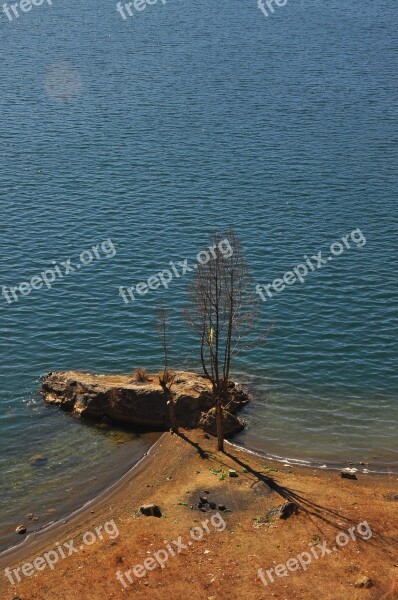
224 564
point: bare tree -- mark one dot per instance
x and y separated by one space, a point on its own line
166 377
222 312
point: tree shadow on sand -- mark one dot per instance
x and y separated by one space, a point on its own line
317 513
313 510
307 506
202 453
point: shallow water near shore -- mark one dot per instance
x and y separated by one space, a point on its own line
57 464
193 117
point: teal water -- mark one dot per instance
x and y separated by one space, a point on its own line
153 133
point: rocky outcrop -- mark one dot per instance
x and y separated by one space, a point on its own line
121 399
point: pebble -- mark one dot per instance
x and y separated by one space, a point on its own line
151 510
288 509
348 474
363 582
21 529
38 460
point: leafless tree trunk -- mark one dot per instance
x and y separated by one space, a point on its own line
222 312
166 377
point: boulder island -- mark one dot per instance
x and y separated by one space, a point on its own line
121 399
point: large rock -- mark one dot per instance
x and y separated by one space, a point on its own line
121 399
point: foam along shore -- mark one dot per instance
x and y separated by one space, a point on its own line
197 487
124 400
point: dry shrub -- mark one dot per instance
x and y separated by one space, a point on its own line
166 378
141 375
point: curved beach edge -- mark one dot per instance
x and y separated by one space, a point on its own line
51 530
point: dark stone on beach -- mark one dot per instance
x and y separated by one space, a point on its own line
348 475
212 505
38 460
287 510
363 582
21 529
151 510
203 500
222 507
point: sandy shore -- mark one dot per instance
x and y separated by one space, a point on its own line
222 556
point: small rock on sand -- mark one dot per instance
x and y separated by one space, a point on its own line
288 509
348 474
363 582
151 510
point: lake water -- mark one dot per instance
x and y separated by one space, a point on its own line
153 132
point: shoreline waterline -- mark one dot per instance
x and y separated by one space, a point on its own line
325 465
94 503
104 495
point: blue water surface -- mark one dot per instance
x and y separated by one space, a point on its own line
154 132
